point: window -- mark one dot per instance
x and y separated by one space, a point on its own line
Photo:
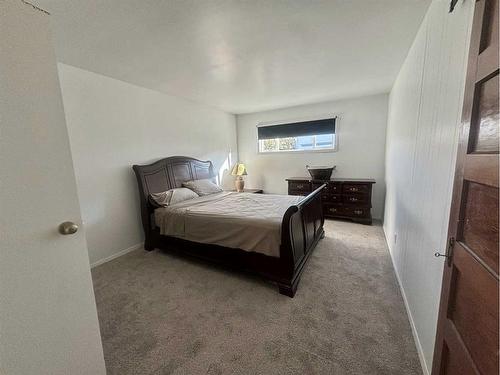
298 136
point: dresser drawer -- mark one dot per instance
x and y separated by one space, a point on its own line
355 188
359 199
334 188
346 211
297 192
303 186
333 210
363 212
316 185
333 198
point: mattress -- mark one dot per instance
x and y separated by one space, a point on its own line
251 222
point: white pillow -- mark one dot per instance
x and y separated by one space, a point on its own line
202 187
172 196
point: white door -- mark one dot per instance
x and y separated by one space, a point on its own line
48 319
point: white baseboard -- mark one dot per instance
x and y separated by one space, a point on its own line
423 363
116 255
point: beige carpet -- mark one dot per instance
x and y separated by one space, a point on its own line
164 314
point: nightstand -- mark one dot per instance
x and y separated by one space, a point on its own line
254 191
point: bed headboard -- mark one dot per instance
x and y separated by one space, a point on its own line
165 174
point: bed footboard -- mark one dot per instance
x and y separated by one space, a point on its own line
301 229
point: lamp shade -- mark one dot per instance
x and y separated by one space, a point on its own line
239 169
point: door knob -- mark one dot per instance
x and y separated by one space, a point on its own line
68 227
449 251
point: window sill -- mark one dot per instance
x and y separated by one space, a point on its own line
296 152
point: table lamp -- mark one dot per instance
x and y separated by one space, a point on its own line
239 170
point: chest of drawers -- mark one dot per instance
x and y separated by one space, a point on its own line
342 198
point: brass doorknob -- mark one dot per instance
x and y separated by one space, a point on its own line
68 227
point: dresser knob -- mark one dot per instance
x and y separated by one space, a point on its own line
358 212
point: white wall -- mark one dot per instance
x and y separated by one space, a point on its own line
361 145
424 116
113 125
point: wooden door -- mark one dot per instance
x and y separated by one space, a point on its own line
467 332
48 318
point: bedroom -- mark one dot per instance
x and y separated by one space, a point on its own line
312 276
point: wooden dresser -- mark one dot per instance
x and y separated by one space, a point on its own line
346 198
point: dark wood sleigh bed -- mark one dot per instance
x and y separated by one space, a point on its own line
301 228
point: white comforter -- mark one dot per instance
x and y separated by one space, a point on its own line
251 222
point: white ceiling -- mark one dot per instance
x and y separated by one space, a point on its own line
240 56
